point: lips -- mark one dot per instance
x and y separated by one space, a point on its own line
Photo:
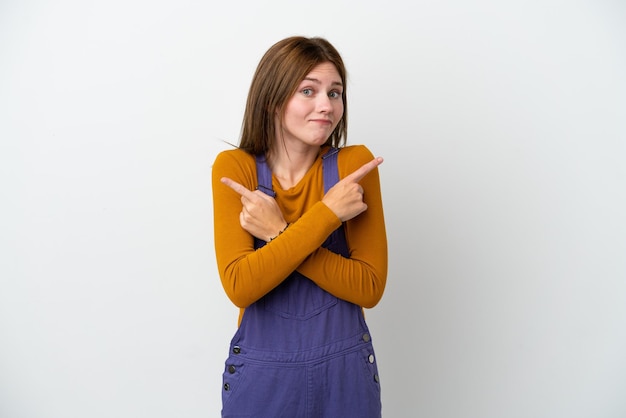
322 121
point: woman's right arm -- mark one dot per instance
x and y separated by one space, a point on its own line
248 274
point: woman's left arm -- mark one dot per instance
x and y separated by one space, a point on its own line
362 277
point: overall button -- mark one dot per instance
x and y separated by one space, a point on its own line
376 378
366 337
226 386
371 358
236 349
231 369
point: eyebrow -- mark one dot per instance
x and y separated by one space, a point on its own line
315 80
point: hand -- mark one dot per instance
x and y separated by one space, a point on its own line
345 198
260 214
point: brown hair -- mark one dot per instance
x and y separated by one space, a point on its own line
276 79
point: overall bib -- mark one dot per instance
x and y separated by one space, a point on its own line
299 351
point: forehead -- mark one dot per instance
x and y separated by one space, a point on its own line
325 71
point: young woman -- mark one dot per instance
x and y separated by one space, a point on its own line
301 244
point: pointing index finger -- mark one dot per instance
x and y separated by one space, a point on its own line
360 172
240 189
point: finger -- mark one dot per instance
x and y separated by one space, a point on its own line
240 189
361 172
255 197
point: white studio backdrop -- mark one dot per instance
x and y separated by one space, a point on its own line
503 129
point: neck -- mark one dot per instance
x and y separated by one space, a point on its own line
290 166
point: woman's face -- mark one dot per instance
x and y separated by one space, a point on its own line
316 108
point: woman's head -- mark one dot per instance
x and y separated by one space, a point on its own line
277 77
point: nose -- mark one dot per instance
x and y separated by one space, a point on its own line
323 103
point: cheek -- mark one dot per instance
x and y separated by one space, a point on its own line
339 110
338 107
295 109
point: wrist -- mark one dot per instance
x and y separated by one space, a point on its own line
279 232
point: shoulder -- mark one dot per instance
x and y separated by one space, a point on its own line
352 157
233 159
233 155
235 164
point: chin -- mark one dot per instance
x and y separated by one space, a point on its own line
319 142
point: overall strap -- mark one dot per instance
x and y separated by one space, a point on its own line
264 176
336 242
330 169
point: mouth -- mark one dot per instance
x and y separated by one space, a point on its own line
322 121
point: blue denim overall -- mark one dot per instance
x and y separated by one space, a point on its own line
300 352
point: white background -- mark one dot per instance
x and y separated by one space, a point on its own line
503 129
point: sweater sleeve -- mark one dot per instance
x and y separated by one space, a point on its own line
248 274
362 277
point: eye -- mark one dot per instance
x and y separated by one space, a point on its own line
334 94
307 91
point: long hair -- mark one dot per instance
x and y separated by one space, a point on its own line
277 77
